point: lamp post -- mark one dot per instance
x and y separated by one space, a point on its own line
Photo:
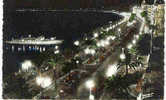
90 84
122 56
119 32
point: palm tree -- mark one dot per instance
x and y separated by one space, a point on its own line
114 86
132 60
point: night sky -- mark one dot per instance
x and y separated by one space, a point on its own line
69 4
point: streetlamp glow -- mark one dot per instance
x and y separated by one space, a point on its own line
77 62
56 47
26 65
137 36
56 52
119 30
44 49
92 51
113 37
76 43
43 81
106 42
91 97
129 46
102 43
90 84
122 56
107 29
108 38
99 44
134 41
111 70
87 51
96 35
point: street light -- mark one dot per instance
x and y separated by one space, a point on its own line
111 70
122 55
129 46
96 35
137 36
56 52
108 38
119 29
56 47
107 29
90 84
99 44
134 41
106 42
92 51
87 51
43 81
113 37
77 62
26 65
76 43
102 43
91 97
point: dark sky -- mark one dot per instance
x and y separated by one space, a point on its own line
68 4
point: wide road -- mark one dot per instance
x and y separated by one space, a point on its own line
97 76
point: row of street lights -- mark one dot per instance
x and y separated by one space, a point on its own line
43 81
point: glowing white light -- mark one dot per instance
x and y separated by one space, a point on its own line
90 84
106 42
87 51
44 49
43 81
56 52
76 43
134 21
26 65
108 38
56 47
92 51
77 61
61 91
23 48
122 56
107 29
99 44
96 35
134 41
91 97
29 36
12 47
86 38
113 37
112 70
137 36
129 46
40 49
102 43
119 29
